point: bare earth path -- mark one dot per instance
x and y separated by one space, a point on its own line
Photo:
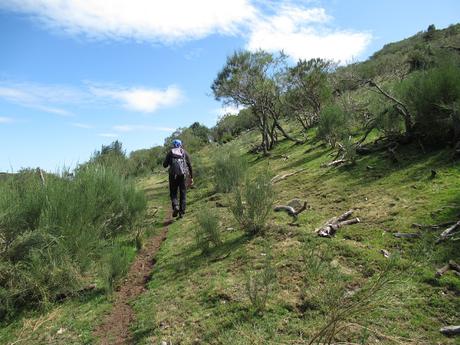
115 329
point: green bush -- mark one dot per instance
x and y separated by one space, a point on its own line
229 168
333 124
54 232
207 232
433 97
253 202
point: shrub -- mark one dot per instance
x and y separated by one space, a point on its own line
333 124
229 169
433 98
207 232
54 232
252 212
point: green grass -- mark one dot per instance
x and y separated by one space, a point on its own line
194 298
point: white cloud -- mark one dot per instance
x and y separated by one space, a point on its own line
302 34
6 119
42 97
142 128
108 135
56 98
297 28
141 20
141 99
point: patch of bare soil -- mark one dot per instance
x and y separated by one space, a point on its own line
115 329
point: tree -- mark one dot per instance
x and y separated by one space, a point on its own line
307 89
250 79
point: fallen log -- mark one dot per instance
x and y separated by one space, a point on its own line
291 210
450 330
448 232
334 163
442 270
406 235
278 178
452 265
332 225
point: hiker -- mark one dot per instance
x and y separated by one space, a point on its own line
180 176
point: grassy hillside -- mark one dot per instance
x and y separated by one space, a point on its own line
195 298
285 284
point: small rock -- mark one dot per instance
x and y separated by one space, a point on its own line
60 331
164 342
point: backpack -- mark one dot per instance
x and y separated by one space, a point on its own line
178 164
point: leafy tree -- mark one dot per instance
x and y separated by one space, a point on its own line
307 89
250 79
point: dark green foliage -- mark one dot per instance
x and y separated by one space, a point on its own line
193 138
333 125
433 97
231 125
229 168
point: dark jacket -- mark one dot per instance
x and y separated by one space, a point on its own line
167 161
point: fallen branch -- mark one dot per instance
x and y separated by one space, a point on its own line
332 225
450 330
291 210
452 265
278 178
448 232
334 163
404 235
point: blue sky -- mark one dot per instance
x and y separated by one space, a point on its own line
77 74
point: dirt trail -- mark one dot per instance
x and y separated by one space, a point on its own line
115 329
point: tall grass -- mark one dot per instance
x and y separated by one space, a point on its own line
52 233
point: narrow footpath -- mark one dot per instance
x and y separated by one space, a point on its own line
115 329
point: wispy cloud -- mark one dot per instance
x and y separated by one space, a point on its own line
45 98
140 99
142 128
108 135
305 33
141 20
82 125
57 99
6 119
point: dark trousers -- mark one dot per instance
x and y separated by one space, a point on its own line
178 182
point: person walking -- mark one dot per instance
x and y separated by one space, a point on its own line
180 171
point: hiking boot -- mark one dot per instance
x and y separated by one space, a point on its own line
181 214
175 211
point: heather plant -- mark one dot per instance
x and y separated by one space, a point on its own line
253 202
53 229
207 233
